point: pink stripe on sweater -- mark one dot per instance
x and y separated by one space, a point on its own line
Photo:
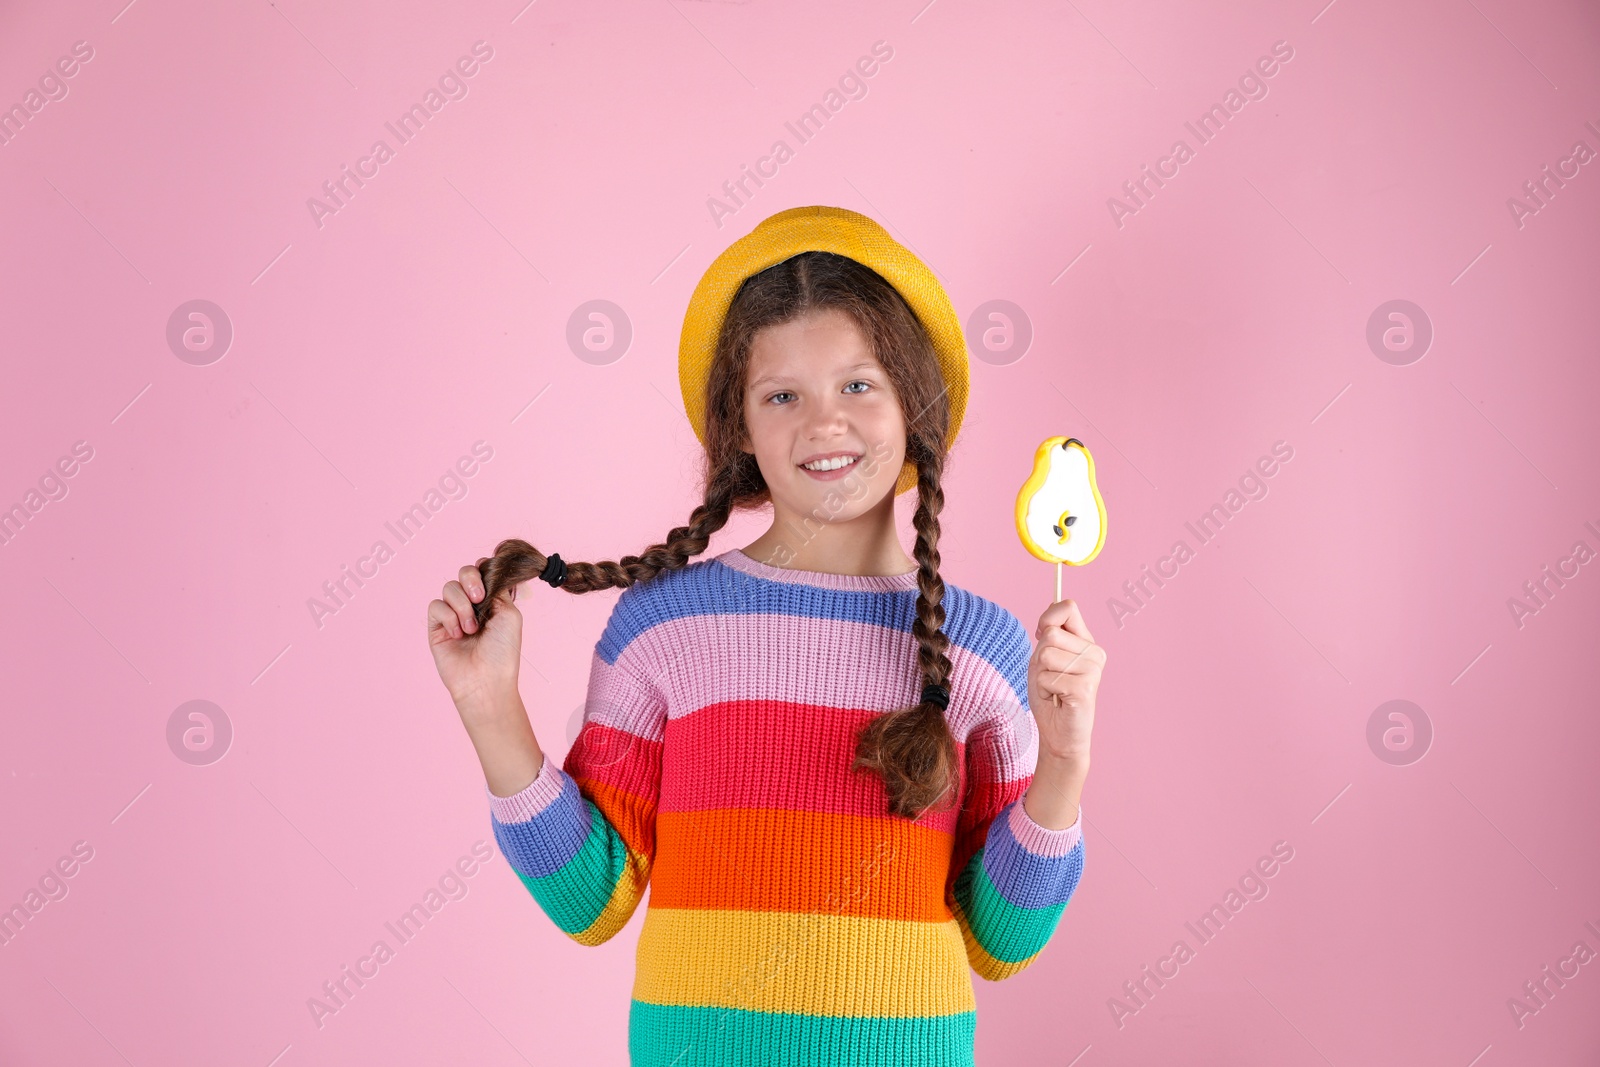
871 583
800 660
1042 841
532 799
619 698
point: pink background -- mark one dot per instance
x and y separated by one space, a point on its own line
370 353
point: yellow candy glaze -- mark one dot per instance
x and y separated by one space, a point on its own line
1055 491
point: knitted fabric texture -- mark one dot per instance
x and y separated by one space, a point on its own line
791 919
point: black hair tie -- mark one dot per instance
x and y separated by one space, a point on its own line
555 571
936 694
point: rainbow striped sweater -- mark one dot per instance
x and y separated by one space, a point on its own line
791 919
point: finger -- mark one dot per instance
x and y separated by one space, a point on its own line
471 580
1051 617
1064 639
1060 692
1058 661
442 616
1060 647
1073 623
456 597
1057 687
1063 614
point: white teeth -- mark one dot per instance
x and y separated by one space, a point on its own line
830 464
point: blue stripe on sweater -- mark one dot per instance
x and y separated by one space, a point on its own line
542 845
1024 878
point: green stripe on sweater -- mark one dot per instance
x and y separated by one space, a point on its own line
662 1035
1008 933
575 895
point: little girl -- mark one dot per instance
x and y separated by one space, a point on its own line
846 783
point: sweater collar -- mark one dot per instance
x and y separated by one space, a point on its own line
873 583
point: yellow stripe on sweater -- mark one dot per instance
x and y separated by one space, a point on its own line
986 966
625 896
809 964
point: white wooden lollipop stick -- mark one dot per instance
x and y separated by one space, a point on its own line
1054 699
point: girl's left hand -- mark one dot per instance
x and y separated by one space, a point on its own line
1063 677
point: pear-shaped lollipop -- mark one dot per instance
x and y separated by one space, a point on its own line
1060 516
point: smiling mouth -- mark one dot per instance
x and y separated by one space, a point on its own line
836 463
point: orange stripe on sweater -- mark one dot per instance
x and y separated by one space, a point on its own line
633 817
797 861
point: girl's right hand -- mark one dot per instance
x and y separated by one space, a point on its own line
478 669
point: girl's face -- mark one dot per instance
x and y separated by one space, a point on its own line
816 390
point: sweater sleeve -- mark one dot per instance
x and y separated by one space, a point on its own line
582 837
1013 878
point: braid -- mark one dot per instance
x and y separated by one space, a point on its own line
927 628
516 561
913 749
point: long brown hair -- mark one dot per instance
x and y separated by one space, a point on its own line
912 748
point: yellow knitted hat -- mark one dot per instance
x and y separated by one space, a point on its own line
819 229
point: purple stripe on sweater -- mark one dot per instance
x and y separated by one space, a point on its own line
544 843
1025 878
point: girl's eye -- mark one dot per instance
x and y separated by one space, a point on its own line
858 381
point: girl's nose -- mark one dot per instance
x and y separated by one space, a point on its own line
826 415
